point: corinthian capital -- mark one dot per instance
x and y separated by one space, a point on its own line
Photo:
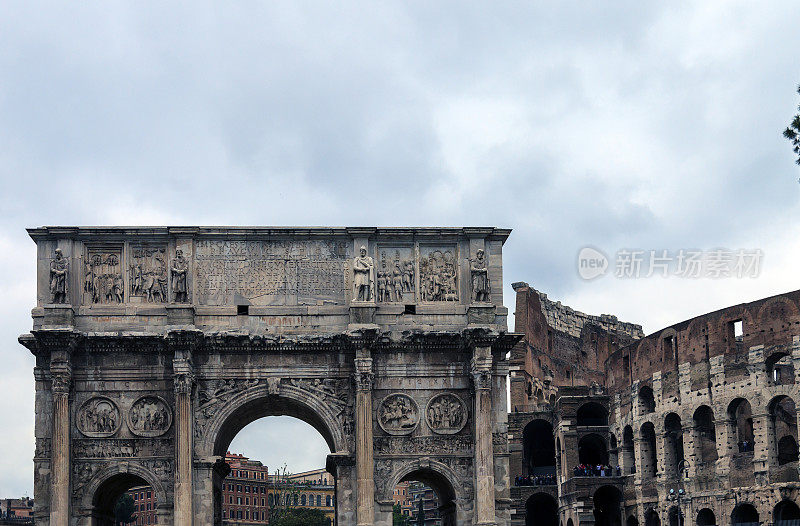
183 383
60 382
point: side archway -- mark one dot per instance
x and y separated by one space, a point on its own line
706 517
607 510
437 476
786 513
102 492
592 450
745 514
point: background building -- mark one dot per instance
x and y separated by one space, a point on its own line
695 423
20 511
430 504
244 491
145 503
402 497
309 489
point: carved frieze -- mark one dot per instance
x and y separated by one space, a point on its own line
398 414
424 445
98 417
396 278
148 273
293 272
102 280
446 414
438 274
149 416
121 448
215 392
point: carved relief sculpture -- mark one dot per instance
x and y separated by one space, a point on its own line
148 274
103 279
98 417
398 414
446 414
178 270
363 277
149 416
438 275
395 280
480 278
58 278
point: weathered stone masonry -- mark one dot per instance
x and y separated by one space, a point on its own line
717 392
155 346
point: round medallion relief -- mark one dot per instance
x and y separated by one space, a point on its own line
149 416
98 417
398 414
446 414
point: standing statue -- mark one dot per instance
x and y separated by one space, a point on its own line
178 269
58 278
480 278
363 268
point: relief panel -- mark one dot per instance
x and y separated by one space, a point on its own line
396 275
149 416
446 414
98 417
438 273
148 274
102 276
398 414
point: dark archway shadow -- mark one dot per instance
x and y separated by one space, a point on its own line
786 513
607 510
706 517
541 510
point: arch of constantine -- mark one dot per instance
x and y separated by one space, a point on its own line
155 346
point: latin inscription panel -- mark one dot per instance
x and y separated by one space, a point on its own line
298 272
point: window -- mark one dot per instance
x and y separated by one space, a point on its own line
328 501
239 500
302 500
319 500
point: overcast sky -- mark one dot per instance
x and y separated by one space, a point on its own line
651 126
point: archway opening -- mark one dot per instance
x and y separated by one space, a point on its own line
648 453
539 449
273 454
706 517
651 518
780 368
705 440
673 452
675 516
104 501
786 513
607 510
647 402
631 521
432 497
592 414
745 514
741 424
592 450
783 424
541 510
628 454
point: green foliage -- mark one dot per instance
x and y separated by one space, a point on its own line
793 132
398 519
124 510
301 517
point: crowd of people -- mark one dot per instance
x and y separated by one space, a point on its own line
599 470
535 480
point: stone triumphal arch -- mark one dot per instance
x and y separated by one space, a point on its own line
155 346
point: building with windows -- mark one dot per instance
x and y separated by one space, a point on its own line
145 503
245 491
18 510
419 492
402 497
693 424
309 489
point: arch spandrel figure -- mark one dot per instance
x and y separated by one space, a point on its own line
363 276
59 269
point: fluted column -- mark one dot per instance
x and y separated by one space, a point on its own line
365 465
481 368
183 445
61 380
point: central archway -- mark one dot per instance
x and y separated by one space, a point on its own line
261 401
437 477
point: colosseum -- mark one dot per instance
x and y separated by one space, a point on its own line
693 424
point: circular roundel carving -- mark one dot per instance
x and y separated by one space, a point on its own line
149 416
446 414
98 417
398 414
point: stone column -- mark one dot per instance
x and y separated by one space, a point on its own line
365 465
481 369
61 379
762 446
183 443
